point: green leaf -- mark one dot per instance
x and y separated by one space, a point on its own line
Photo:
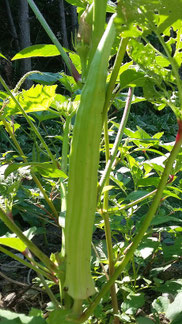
45 115
145 57
136 195
175 309
78 3
37 98
46 78
107 188
141 16
14 243
173 251
1 55
14 318
177 319
44 50
132 303
144 320
132 78
170 287
59 316
147 247
161 304
46 169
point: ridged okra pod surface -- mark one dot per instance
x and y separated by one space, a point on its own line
83 171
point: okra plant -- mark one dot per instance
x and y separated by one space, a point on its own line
115 58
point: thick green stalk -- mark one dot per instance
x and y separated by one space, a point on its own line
116 143
84 160
98 26
144 226
54 39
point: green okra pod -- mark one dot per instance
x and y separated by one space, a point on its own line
84 160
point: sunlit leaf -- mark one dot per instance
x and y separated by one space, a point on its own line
37 98
44 50
175 309
14 243
1 55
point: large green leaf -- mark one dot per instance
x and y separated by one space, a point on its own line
150 62
174 311
37 98
9 317
44 50
138 17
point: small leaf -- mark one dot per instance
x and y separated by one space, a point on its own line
107 188
77 3
1 55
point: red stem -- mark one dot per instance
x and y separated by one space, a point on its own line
179 134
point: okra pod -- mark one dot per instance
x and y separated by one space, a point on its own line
84 161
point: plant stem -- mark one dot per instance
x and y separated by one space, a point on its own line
77 307
35 250
49 201
65 146
174 66
108 230
36 180
27 264
99 19
115 71
20 82
148 218
55 41
114 150
133 203
49 291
